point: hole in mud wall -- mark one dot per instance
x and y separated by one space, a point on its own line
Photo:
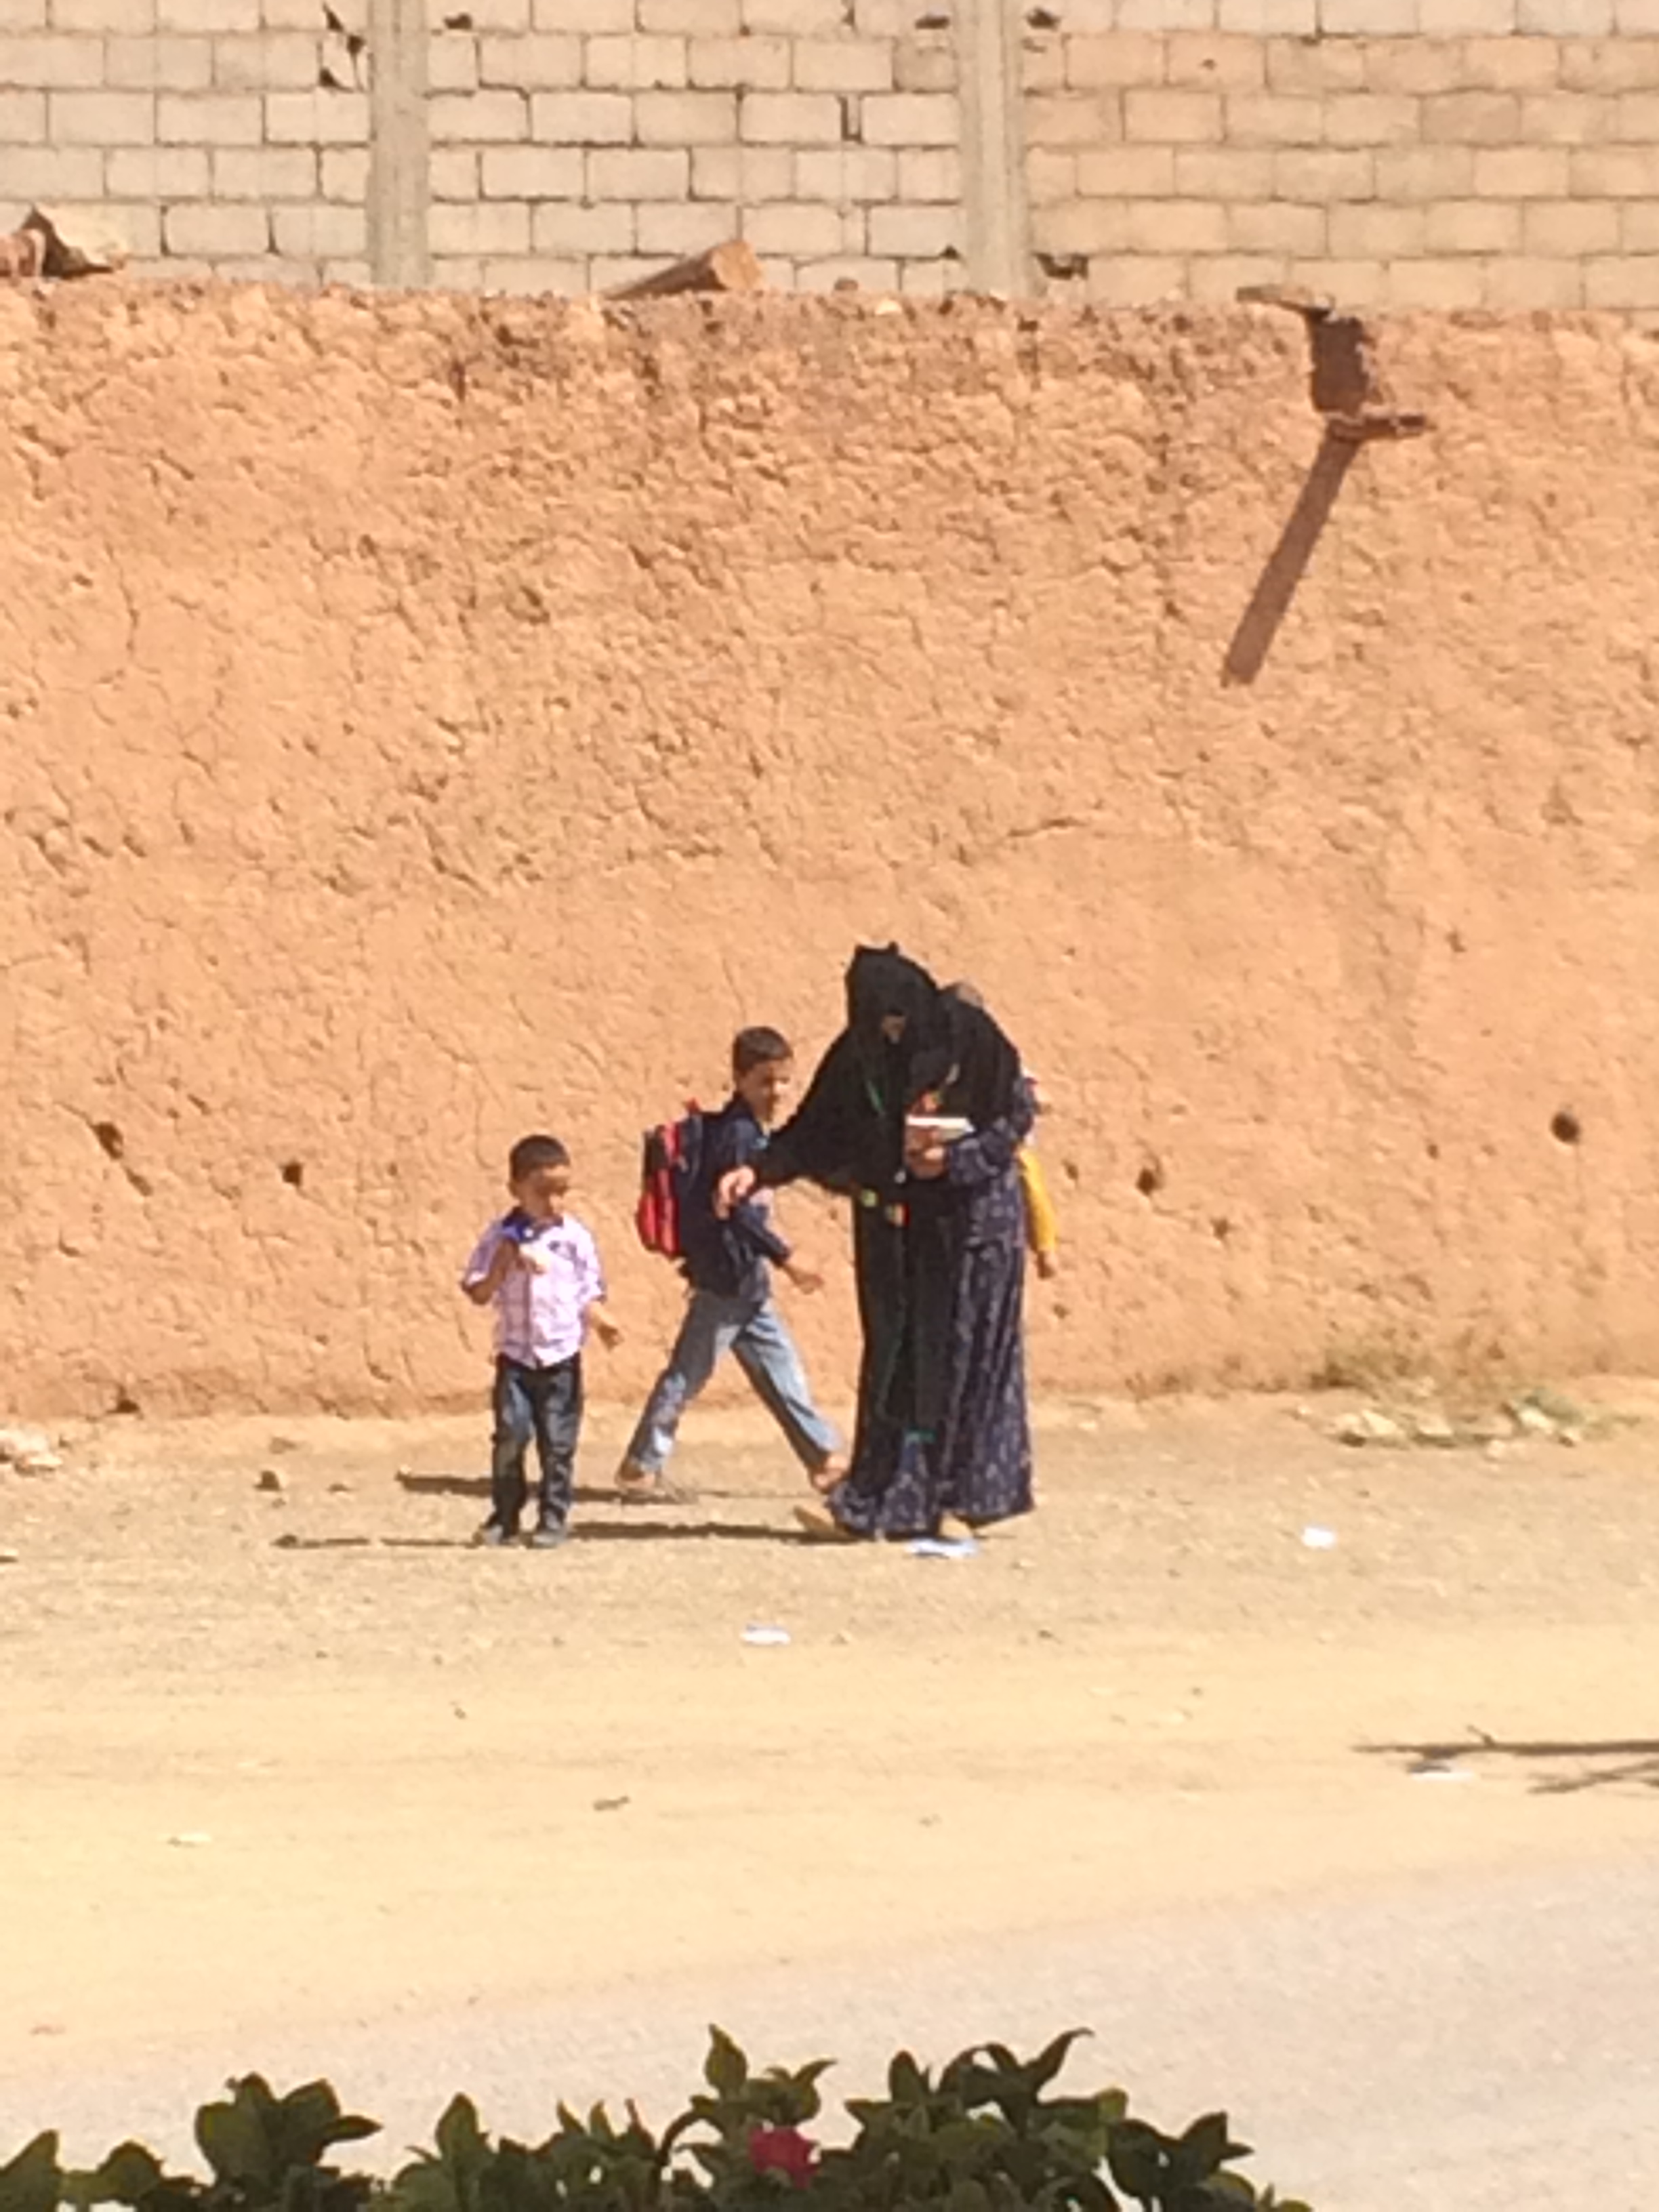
124 1403
294 1174
1567 1128
1221 1229
112 1144
1150 1181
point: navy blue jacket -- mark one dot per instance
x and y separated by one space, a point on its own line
733 1259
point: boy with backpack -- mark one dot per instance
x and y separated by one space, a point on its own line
728 1266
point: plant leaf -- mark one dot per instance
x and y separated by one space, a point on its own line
33 2181
1138 2159
128 2175
464 2148
1048 2063
1202 2150
726 2069
238 2136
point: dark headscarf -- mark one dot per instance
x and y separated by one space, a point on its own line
881 983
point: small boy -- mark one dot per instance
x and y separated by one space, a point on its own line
539 1268
727 1266
1042 1225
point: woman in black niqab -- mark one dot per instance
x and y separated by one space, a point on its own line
938 1249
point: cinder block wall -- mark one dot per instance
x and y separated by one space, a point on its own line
1400 153
566 142
1438 153
204 126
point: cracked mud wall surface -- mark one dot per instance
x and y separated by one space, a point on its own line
426 719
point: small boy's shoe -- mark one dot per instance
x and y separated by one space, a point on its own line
549 1536
495 1535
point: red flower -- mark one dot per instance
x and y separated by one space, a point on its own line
783 2150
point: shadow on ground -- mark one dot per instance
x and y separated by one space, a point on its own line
477 1485
1554 1768
635 1530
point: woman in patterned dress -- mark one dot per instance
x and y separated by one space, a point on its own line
938 1231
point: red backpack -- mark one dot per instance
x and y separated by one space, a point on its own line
671 1159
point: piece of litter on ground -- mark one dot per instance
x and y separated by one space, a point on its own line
1319 1540
942 1548
757 1632
190 1839
610 1804
20 1446
1438 1770
1369 1425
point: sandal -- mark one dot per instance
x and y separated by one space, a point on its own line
829 1475
955 1531
636 1485
819 1527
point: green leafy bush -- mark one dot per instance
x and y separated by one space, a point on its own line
989 2134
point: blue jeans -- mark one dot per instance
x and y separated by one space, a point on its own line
756 1333
542 1405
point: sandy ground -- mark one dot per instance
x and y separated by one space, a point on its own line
280 1769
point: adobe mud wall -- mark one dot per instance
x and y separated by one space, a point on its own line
426 720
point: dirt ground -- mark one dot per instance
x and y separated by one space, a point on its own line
270 1759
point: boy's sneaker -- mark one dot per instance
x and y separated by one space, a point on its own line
495 1535
549 1536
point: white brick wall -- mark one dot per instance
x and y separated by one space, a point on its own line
1495 152
1437 153
572 142
659 127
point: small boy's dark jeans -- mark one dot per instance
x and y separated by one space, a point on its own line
542 1404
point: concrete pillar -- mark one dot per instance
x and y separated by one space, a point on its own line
995 208
399 161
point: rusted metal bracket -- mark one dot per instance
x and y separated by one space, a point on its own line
1344 383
